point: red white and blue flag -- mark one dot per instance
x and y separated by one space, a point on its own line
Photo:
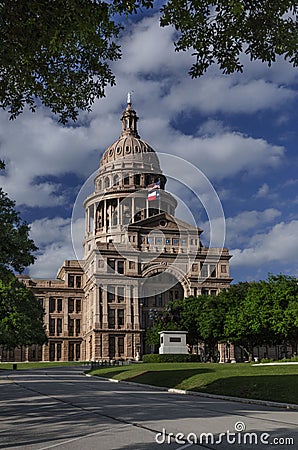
153 195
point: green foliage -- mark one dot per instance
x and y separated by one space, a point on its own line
168 357
15 246
59 52
21 315
248 314
219 31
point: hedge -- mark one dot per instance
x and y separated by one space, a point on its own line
170 357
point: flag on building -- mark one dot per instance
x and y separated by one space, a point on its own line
153 195
155 185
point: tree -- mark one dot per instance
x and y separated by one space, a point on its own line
16 248
58 53
219 31
21 316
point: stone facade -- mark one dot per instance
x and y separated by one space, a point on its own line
137 257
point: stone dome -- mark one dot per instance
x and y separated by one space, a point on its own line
126 146
129 145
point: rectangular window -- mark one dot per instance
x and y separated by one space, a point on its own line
78 281
137 179
52 305
158 241
59 351
121 346
70 327
111 318
223 269
212 270
52 327
120 294
183 242
120 266
213 292
78 327
70 305
78 306
175 241
111 264
204 270
78 352
70 281
111 293
59 305
120 314
168 241
59 326
205 291
194 267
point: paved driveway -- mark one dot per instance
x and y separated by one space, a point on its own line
62 408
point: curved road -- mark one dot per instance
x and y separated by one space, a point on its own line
61 408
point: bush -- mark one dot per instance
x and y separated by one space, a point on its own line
170 357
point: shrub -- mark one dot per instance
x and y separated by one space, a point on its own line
170 357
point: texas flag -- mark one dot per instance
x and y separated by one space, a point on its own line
153 195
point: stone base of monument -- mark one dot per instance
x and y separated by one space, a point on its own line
173 342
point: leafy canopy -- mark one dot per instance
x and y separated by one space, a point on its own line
16 248
21 315
59 52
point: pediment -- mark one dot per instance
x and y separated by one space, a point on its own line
164 221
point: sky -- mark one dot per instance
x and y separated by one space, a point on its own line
239 132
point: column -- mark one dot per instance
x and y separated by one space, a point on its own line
94 218
96 306
127 297
232 353
132 208
222 352
104 307
104 224
136 309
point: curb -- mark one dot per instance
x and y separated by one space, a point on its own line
249 401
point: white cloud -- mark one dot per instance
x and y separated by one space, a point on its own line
280 244
56 244
263 191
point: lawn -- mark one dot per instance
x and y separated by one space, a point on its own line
275 383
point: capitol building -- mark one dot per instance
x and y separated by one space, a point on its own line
137 257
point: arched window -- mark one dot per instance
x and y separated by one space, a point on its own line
116 180
107 182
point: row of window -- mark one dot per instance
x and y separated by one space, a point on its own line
56 327
73 305
55 350
75 281
167 241
126 180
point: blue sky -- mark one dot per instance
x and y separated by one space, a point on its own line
240 130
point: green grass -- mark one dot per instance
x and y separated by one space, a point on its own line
275 383
38 365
